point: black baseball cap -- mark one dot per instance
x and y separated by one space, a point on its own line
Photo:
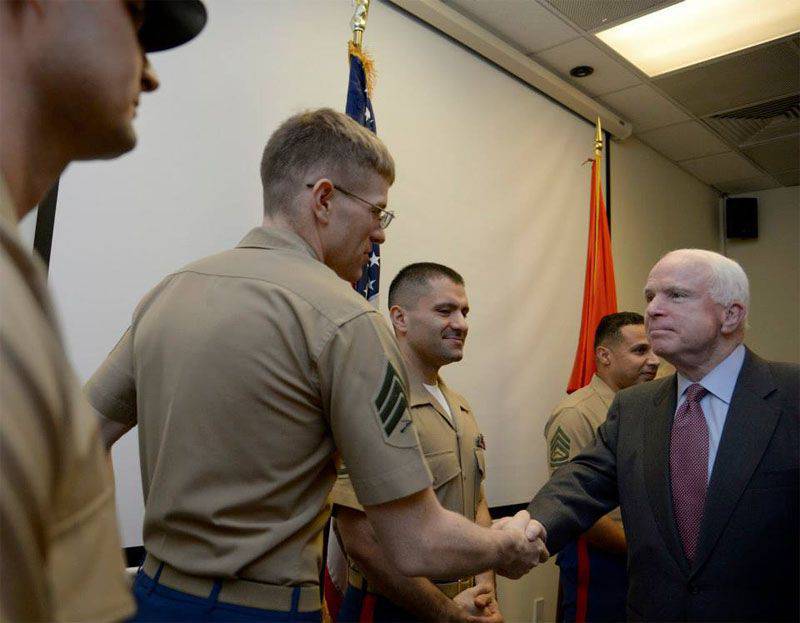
170 23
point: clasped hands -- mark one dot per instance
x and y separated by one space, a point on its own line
527 548
479 603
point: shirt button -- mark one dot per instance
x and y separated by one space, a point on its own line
693 589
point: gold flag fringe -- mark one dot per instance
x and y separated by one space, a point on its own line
367 62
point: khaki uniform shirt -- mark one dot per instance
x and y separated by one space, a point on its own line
573 424
245 372
454 452
60 555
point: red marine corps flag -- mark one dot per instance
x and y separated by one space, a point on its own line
599 291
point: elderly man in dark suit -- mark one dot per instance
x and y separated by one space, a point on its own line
704 463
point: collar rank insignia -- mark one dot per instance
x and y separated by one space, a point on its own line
480 442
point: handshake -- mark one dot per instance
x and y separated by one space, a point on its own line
522 544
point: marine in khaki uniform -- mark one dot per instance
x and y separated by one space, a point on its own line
428 305
70 77
593 570
248 370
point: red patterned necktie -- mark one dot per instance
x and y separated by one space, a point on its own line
688 464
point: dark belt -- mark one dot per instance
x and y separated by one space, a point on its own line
238 592
450 589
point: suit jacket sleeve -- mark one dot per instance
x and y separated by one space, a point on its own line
583 490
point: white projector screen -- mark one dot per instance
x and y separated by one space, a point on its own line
489 181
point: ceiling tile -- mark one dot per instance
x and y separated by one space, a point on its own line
609 75
644 107
523 23
790 178
683 141
735 81
776 156
721 168
762 182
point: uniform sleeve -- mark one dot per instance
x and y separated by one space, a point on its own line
364 391
568 433
343 493
112 388
30 451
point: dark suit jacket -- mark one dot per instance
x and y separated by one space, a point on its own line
746 565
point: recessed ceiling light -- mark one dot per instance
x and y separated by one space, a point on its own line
694 31
581 71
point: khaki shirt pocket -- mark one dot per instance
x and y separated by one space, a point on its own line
444 467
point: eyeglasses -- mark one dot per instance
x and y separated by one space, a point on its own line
384 216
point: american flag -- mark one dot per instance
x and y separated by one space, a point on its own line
359 108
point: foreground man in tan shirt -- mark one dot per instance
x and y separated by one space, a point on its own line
428 306
248 370
71 74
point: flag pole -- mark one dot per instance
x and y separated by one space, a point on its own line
359 21
598 139
598 155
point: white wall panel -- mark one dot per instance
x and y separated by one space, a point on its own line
489 182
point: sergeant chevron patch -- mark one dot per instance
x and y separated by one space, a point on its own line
559 448
390 402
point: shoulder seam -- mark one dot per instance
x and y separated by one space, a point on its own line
354 314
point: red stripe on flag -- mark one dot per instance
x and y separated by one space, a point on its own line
582 605
367 609
599 291
333 598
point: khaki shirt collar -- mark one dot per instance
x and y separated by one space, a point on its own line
420 397
263 238
601 389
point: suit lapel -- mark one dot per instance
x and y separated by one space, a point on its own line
749 426
657 429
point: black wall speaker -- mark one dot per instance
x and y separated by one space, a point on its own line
741 217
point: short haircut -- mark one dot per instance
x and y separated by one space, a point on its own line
610 327
320 142
728 282
414 277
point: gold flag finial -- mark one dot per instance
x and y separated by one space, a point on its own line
359 21
598 139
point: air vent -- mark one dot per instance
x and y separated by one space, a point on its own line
767 121
785 106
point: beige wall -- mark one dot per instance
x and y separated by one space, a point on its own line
772 262
655 207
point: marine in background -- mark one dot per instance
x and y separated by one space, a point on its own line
592 569
428 306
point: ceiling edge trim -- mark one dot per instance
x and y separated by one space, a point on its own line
453 24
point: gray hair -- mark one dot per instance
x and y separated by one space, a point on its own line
728 282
